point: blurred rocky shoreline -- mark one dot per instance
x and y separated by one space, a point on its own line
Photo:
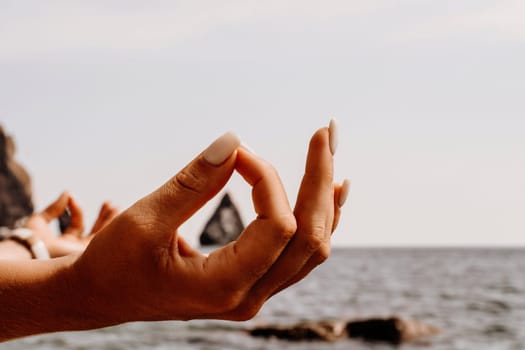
393 330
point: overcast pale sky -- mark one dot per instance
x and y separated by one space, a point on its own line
111 98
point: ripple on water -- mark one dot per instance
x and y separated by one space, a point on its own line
498 330
493 307
477 298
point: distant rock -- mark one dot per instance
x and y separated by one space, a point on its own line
224 226
15 184
321 330
392 330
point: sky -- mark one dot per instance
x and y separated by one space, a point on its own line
109 99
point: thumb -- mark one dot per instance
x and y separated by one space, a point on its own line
185 193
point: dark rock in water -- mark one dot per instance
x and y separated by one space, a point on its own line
15 185
393 330
224 226
322 330
377 329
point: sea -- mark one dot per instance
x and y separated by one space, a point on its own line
475 296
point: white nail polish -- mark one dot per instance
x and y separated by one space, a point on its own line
222 148
343 195
333 130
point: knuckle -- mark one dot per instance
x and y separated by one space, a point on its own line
286 226
188 179
229 301
315 239
226 297
323 253
247 311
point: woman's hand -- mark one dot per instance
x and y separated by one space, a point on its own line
139 268
73 239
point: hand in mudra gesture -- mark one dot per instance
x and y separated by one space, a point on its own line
139 267
73 239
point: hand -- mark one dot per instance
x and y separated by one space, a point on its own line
73 239
139 268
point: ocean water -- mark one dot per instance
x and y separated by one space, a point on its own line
475 296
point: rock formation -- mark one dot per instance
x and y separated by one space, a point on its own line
392 330
322 330
224 226
15 184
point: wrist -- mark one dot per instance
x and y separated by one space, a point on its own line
26 239
40 297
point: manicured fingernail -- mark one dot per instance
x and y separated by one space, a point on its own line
248 148
343 195
334 135
222 148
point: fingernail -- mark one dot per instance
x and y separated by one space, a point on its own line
222 148
333 131
343 195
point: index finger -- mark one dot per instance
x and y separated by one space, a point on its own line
241 263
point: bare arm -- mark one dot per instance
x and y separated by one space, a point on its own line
12 250
139 268
35 297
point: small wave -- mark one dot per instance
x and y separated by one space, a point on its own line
447 296
411 294
497 330
505 289
196 340
490 306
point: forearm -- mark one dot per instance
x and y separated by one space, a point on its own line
37 297
62 247
10 249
